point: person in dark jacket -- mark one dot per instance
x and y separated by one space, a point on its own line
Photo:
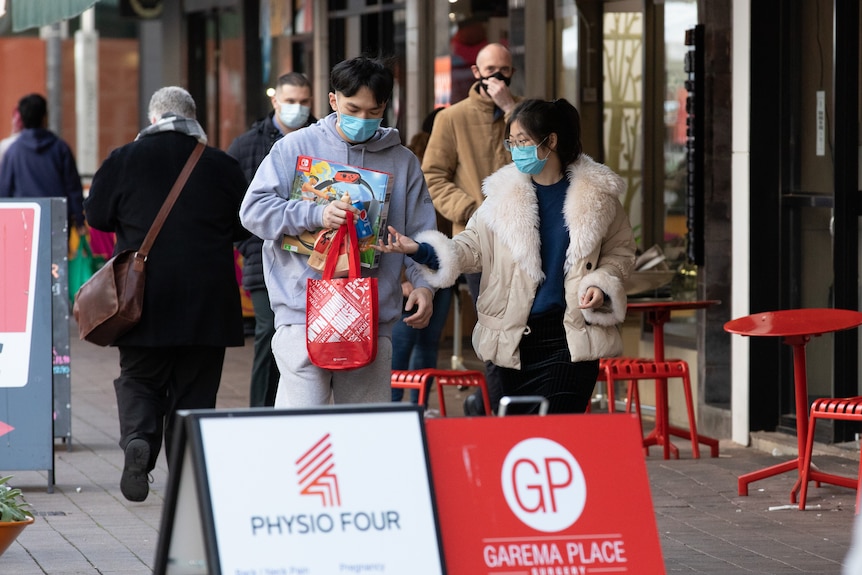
173 358
291 110
39 164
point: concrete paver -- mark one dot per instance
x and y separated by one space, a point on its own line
86 527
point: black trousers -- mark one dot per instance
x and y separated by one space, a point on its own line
264 371
155 382
547 370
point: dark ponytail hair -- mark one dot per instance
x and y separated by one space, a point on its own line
540 118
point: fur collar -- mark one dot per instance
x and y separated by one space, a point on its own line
511 211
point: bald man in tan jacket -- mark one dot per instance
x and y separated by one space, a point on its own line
466 146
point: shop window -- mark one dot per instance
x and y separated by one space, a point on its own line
623 107
656 192
567 76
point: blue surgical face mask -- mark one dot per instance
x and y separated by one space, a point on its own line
293 115
358 129
527 159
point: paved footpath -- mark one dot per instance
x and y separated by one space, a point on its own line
86 527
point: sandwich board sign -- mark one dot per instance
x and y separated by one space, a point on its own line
26 394
552 495
258 491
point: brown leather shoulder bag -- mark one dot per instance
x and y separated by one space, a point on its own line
110 303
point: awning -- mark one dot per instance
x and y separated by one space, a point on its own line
36 13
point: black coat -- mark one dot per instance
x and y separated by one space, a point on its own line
191 295
250 149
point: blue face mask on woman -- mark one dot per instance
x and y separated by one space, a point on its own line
527 159
358 129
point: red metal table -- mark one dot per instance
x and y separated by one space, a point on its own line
657 312
796 327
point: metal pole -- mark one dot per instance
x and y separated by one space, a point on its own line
87 94
54 76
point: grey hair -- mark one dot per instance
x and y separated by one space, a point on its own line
172 100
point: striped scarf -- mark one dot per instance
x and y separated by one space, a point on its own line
172 123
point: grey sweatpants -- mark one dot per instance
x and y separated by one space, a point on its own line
303 384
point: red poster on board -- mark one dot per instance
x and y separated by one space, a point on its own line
552 495
19 238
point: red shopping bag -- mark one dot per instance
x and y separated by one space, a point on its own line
341 313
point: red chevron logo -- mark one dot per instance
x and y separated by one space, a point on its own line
5 428
316 473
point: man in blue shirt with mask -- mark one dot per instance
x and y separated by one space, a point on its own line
361 89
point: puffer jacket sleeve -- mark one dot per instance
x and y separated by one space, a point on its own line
615 263
455 256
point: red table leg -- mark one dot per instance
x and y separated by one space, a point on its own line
660 435
800 384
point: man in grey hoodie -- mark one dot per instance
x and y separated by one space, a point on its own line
360 91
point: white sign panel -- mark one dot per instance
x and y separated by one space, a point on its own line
323 492
821 123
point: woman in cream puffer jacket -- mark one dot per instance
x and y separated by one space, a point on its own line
554 246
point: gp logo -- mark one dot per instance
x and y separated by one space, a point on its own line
543 485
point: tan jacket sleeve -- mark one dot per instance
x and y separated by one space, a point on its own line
618 247
439 165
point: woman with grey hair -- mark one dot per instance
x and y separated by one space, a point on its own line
171 99
172 109
173 358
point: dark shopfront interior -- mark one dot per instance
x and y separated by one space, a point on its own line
804 196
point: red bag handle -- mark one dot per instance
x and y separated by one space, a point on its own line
348 229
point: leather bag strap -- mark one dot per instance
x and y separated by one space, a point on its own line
141 254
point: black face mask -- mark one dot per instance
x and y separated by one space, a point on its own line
497 75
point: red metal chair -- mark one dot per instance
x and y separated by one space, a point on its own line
411 380
604 377
845 409
634 371
443 377
468 378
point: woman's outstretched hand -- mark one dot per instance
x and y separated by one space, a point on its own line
396 243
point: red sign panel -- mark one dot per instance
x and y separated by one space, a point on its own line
552 495
18 247
19 243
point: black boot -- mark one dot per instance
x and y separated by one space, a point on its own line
473 404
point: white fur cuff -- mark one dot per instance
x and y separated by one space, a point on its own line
448 270
613 312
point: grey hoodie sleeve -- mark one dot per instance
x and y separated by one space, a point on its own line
266 210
